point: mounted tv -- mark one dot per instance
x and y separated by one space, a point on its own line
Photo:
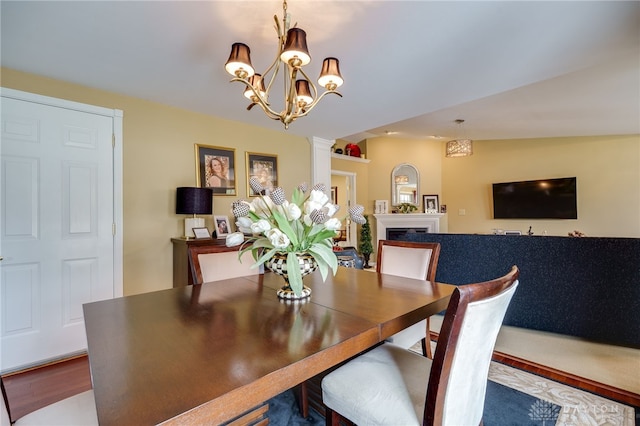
536 199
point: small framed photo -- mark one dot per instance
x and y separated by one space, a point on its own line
334 195
431 204
382 207
443 208
201 233
223 227
265 168
216 169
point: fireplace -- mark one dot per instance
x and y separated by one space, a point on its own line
399 233
399 224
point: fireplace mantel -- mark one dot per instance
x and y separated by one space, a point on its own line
430 221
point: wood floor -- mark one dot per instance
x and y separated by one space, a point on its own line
26 391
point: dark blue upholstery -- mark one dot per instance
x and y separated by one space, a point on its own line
352 253
584 287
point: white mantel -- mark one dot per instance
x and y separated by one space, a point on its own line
430 221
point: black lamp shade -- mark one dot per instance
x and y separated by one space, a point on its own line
194 200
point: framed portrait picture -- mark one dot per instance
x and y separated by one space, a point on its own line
201 233
265 168
223 227
334 195
216 169
431 204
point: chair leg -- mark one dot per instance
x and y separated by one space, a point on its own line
331 418
303 400
426 342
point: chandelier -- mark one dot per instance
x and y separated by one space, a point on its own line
459 147
300 94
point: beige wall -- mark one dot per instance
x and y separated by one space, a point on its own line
608 177
158 157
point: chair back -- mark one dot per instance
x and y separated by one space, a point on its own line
408 259
208 264
458 378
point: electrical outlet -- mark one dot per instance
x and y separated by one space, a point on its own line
462 212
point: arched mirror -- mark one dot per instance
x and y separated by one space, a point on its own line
405 184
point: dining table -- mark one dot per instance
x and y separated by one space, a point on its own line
206 354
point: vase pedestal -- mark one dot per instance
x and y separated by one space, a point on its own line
286 294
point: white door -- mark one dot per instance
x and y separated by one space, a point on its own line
57 238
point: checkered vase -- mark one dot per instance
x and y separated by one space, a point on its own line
278 265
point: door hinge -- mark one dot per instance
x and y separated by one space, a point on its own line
113 140
113 229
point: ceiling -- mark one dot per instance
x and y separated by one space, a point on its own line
511 69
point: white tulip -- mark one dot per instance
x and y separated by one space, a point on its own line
318 197
292 211
260 226
244 225
333 224
277 238
234 239
331 209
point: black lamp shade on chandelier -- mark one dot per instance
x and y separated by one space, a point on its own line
194 200
301 95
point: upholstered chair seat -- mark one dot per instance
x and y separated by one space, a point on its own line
389 385
77 410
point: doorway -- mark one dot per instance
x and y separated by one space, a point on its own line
345 186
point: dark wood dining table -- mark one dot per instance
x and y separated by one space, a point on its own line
208 353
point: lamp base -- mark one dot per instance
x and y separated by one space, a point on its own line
190 223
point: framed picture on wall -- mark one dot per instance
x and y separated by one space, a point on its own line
334 195
216 169
431 204
223 227
264 167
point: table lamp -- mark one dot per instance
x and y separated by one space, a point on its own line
193 201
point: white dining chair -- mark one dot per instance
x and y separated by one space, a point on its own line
77 410
412 260
390 385
208 264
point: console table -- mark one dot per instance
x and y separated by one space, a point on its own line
181 272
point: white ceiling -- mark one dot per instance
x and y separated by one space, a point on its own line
511 69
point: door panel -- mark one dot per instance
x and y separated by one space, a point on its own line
57 217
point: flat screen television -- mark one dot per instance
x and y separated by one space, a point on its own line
536 199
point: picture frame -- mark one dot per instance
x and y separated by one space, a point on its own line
208 158
201 233
382 207
264 167
334 195
431 204
223 226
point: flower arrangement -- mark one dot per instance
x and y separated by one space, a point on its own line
306 224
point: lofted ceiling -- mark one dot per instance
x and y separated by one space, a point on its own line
511 69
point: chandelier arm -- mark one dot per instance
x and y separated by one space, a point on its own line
290 93
309 107
276 68
265 106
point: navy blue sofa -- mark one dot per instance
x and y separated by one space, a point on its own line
585 287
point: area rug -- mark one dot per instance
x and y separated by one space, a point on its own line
514 397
